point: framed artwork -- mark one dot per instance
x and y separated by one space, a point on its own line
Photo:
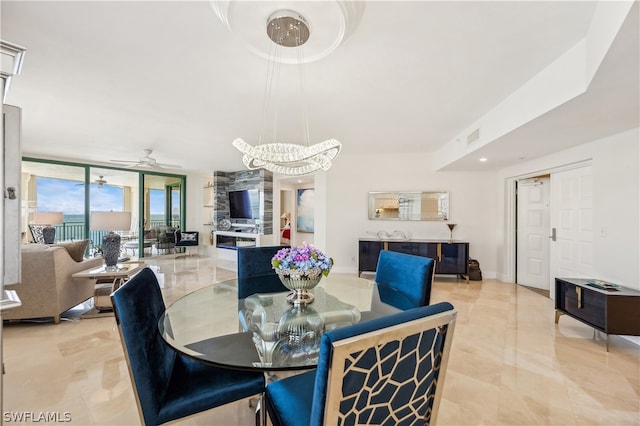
305 206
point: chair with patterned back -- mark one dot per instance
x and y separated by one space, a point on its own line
407 274
187 240
389 370
169 385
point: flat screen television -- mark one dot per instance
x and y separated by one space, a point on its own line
244 204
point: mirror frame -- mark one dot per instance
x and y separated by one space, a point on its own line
391 205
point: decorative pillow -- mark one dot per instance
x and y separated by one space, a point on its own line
188 236
76 249
36 233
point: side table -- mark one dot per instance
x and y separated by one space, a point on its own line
612 310
110 281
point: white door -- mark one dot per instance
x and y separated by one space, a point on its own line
533 233
571 218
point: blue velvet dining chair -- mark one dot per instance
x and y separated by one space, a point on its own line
255 273
385 371
169 385
407 274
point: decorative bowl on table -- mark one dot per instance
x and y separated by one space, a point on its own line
300 282
300 269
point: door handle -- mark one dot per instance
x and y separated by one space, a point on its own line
10 193
553 234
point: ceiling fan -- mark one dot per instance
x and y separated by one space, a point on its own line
100 181
147 161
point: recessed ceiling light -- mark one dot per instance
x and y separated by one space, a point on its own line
483 159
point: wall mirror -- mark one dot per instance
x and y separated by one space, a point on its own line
409 206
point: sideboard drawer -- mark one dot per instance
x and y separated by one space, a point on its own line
585 304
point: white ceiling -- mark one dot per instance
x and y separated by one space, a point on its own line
104 80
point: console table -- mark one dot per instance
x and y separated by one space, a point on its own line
452 257
609 311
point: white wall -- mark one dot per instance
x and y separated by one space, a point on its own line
617 208
478 205
195 212
616 204
473 206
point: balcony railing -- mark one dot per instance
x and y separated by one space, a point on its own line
76 231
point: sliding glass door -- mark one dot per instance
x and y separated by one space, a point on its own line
115 190
73 191
162 209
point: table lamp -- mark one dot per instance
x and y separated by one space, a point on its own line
110 221
47 219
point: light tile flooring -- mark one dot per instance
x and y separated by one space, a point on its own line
510 363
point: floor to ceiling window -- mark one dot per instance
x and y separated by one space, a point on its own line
53 189
73 191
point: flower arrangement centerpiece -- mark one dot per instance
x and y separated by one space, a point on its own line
300 269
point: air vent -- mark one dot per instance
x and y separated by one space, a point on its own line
473 136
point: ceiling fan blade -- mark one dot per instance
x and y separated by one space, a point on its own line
124 161
169 166
147 162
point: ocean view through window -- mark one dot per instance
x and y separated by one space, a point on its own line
153 199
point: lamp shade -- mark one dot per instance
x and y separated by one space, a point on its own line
48 218
110 221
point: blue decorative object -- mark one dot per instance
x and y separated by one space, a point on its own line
49 234
111 250
169 385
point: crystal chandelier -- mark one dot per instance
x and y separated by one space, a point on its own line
287 29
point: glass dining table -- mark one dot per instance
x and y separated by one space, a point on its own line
264 332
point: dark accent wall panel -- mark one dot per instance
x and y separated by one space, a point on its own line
262 180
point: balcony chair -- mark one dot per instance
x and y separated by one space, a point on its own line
169 385
406 274
186 240
165 238
389 370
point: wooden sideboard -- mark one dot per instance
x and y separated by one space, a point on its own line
609 311
452 257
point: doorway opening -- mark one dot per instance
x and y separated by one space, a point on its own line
569 229
532 230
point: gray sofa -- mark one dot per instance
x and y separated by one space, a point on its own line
47 288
